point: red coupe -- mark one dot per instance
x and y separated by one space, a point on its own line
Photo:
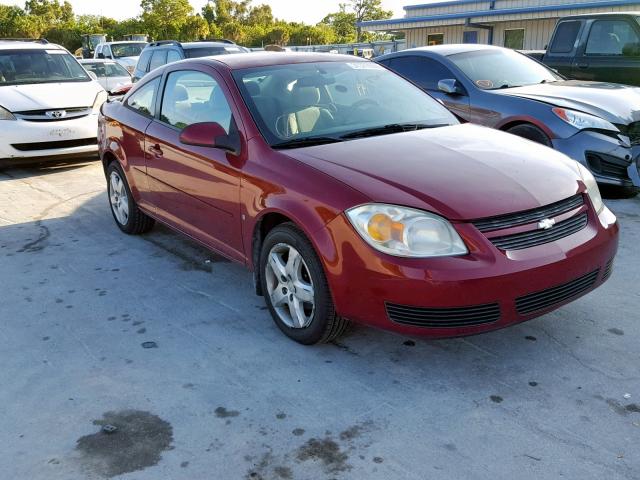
354 196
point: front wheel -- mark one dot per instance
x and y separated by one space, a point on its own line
531 132
296 289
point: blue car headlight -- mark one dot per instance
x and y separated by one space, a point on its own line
583 121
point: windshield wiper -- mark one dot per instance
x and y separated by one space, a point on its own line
391 128
306 142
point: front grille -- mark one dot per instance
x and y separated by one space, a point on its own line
26 147
534 302
529 216
444 317
608 268
41 115
518 241
607 165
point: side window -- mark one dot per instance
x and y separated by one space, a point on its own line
143 61
158 59
106 51
565 37
173 56
612 37
143 100
194 97
425 72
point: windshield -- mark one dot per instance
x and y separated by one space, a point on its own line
120 50
20 67
494 69
334 99
210 51
104 69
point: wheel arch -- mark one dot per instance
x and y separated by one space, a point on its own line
511 122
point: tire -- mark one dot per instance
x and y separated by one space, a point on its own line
531 132
120 200
299 277
613 192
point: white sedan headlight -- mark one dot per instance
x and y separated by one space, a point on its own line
6 114
583 121
592 188
406 232
101 97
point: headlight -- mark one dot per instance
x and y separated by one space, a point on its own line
584 120
592 188
406 232
101 97
6 114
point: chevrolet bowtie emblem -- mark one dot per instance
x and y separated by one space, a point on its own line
546 224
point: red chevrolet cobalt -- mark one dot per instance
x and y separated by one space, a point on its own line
354 196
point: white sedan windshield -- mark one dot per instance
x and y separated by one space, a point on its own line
20 67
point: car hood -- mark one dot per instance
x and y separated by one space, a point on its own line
22 98
611 101
462 172
128 61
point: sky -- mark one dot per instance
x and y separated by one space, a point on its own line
307 11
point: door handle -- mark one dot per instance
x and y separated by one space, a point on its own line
155 150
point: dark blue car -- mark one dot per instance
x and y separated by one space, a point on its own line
597 124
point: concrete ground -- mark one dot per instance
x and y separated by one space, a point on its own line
222 394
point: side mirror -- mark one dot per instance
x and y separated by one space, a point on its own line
450 86
101 55
210 134
92 75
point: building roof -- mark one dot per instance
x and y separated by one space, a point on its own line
409 21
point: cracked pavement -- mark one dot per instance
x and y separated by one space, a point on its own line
218 392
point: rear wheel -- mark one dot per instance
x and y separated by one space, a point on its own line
531 132
129 218
296 289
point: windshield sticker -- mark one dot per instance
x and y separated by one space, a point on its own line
365 66
484 83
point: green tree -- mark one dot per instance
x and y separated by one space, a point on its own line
50 11
343 23
368 10
165 19
312 35
195 28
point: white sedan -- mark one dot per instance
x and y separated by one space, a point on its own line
49 104
111 75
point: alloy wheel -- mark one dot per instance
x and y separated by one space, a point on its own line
118 198
289 285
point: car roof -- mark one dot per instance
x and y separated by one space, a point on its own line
451 49
601 14
123 41
208 44
237 61
28 45
96 60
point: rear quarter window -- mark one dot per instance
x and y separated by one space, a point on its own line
143 61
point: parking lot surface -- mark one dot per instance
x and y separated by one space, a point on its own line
168 344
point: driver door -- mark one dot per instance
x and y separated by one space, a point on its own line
195 189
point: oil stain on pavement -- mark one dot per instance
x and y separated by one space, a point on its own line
137 442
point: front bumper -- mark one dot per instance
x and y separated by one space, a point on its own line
610 160
368 285
62 139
